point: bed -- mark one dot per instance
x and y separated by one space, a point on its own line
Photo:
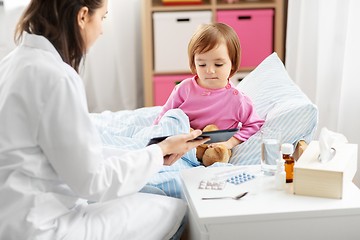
276 98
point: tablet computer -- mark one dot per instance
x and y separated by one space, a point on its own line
215 136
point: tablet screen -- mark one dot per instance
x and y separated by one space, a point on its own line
219 135
215 136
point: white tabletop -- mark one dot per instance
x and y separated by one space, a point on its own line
263 202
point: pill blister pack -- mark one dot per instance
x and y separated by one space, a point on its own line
213 185
240 178
232 175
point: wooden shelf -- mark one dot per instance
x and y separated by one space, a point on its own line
151 6
242 69
158 6
183 8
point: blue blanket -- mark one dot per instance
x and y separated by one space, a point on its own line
132 130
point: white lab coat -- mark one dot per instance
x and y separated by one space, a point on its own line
51 157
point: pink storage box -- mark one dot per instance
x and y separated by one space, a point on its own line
255 30
163 86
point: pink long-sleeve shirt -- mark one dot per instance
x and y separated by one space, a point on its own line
225 107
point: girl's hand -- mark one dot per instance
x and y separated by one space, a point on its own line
176 146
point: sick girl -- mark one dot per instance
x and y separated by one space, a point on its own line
209 97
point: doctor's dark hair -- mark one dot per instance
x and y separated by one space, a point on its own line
209 36
57 20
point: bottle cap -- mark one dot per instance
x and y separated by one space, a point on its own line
280 164
287 148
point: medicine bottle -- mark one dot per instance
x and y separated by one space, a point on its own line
280 175
287 150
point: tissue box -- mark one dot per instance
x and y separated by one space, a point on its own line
313 178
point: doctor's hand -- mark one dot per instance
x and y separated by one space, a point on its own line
176 146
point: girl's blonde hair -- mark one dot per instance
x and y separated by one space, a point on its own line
210 36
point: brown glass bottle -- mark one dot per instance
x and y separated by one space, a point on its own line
287 150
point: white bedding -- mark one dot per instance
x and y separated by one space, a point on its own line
132 129
275 97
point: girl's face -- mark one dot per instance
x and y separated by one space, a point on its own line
91 25
213 67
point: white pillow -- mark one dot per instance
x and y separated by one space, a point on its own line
282 104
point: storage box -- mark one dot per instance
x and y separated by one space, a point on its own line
255 31
163 86
313 178
172 33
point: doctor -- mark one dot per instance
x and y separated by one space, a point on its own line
51 158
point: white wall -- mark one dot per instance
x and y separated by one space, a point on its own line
2 31
8 21
113 67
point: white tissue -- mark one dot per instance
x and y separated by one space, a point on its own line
329 140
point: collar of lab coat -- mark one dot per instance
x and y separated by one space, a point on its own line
40 42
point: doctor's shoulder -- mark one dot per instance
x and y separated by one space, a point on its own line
49 69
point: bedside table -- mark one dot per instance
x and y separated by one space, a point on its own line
265 213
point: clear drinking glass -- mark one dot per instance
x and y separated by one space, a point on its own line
270 149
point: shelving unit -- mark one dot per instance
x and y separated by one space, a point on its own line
151 6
